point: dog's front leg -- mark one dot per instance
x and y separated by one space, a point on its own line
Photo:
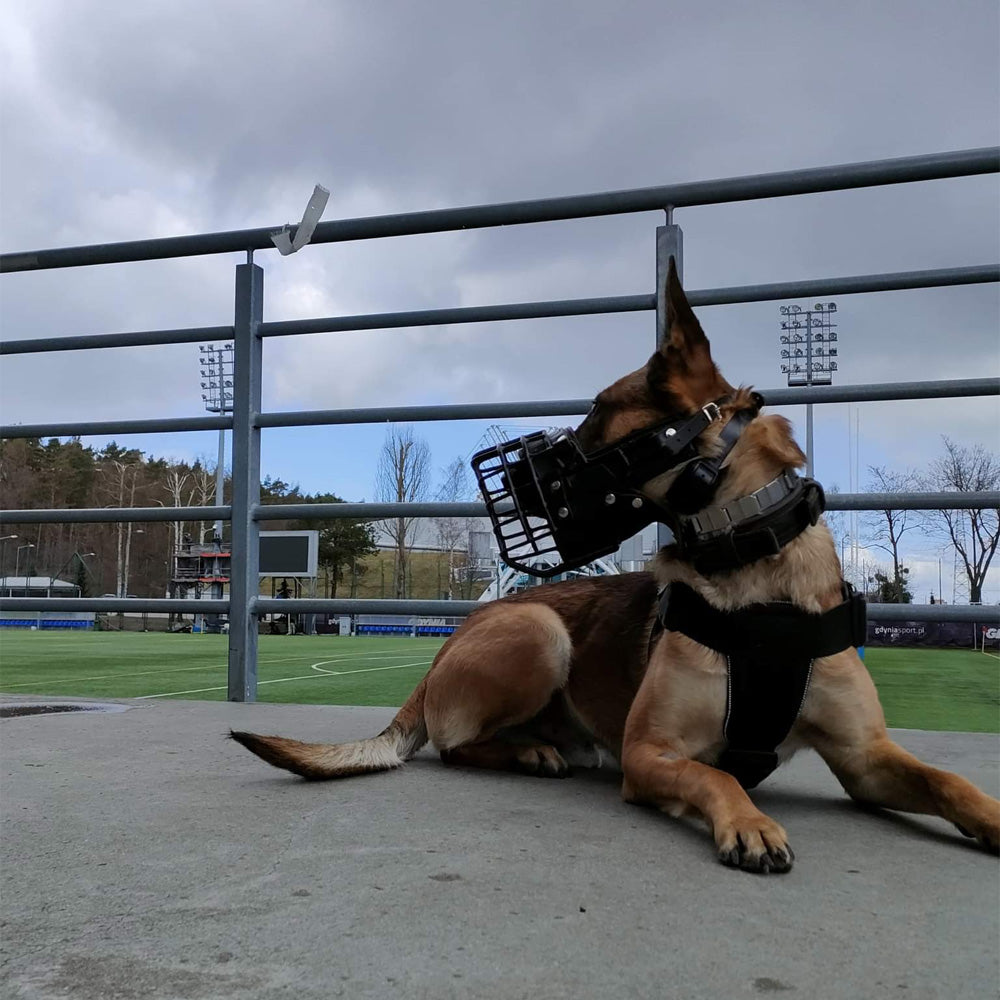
656 774
848 730
882 773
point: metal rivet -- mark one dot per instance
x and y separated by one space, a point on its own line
563 512
637 502
610 498
556 485
670 432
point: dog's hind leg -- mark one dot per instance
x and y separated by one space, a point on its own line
499 754
499 673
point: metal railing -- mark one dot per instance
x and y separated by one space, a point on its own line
249 331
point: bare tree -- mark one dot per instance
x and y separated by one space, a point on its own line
973 533
885 528
453 532
123 476
403 476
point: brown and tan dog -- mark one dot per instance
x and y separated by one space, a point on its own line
529 681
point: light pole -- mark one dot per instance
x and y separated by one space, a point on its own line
217 383
3 561
806 354
17 560
75 555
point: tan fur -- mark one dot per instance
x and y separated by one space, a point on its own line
567 668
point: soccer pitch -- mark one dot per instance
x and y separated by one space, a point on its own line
946 689
300 669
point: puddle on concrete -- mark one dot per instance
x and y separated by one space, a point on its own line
42 708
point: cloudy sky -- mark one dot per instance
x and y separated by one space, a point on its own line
131 120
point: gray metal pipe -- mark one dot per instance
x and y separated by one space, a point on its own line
876 612
818 287
88 428
144 338
375 511
902 170
85 515
774 291
984 500
128 604
779 396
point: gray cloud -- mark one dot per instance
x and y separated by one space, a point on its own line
161 118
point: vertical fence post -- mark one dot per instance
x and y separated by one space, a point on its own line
244 579
669 243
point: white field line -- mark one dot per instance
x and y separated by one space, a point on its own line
206 666
285 680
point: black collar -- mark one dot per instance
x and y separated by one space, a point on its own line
734 534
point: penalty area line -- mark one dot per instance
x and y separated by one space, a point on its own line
285 680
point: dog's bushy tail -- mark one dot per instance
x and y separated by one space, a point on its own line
397 743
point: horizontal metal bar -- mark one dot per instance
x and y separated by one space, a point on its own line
405 414
365 607
127 604
985 614
577 407
463 314
835 501
90 428
145 338
984 500
902 170
893 281
366 511
82 515
880 391
818 287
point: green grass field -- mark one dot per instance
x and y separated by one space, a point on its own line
920 689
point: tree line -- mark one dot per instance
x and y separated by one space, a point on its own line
970 536
136 559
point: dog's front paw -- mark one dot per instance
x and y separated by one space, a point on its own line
755 843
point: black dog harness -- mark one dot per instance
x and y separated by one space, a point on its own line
770 649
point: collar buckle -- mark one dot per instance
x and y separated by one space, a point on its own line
712 412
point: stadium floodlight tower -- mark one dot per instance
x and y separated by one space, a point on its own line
217 395
807 354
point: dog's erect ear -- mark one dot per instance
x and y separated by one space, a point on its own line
683 366
684 332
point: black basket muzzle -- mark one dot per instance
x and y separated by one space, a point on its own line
555 508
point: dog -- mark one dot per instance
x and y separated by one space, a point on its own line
562 672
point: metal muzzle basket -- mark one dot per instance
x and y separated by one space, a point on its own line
551 510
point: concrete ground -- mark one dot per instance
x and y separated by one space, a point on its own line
145 856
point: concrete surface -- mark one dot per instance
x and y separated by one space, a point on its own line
145 856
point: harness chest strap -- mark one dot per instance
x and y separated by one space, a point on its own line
769 649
